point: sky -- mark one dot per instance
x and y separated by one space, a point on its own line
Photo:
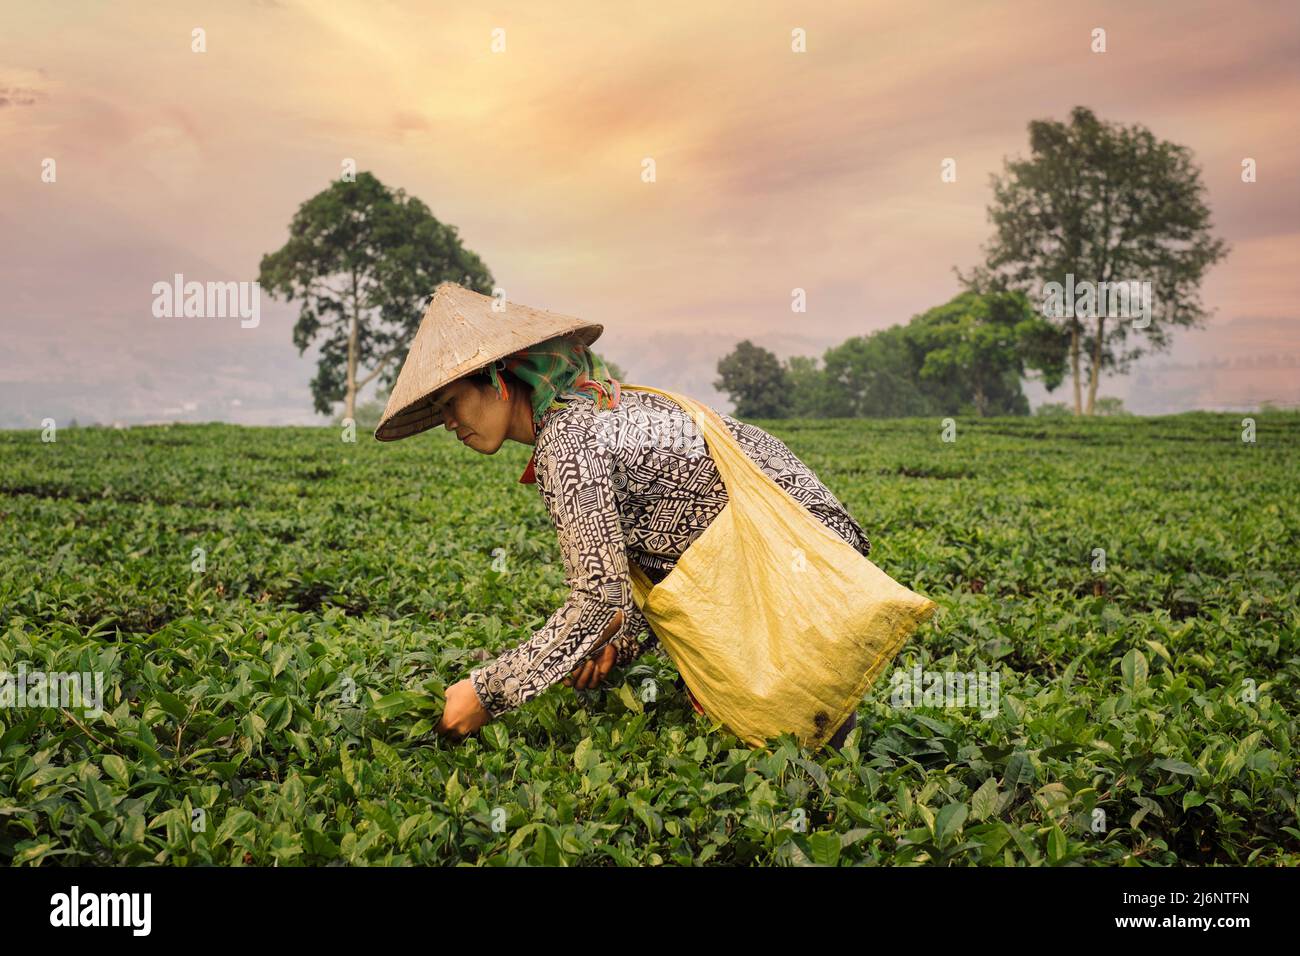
774 170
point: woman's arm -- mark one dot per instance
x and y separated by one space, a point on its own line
838 519
573 472
790 472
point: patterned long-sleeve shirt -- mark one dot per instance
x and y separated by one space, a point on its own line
634 483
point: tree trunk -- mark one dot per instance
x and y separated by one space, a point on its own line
1095 377
350 397
1074 366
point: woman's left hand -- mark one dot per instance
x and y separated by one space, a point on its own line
463 714
595 669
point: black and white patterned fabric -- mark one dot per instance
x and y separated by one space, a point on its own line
633 483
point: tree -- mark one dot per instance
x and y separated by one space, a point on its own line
1101 203
755 381
977 348
876 375
367 414
812 393
966 356
363 261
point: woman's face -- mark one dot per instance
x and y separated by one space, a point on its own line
476 413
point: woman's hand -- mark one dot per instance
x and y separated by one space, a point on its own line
463 714
594 669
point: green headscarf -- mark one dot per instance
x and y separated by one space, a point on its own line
555 367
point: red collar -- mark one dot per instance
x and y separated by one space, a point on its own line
529 477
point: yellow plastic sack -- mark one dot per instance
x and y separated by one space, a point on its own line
775 622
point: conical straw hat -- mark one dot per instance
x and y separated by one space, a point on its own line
459 334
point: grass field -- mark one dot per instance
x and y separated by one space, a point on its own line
269 699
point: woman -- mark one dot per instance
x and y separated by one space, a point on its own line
623 474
